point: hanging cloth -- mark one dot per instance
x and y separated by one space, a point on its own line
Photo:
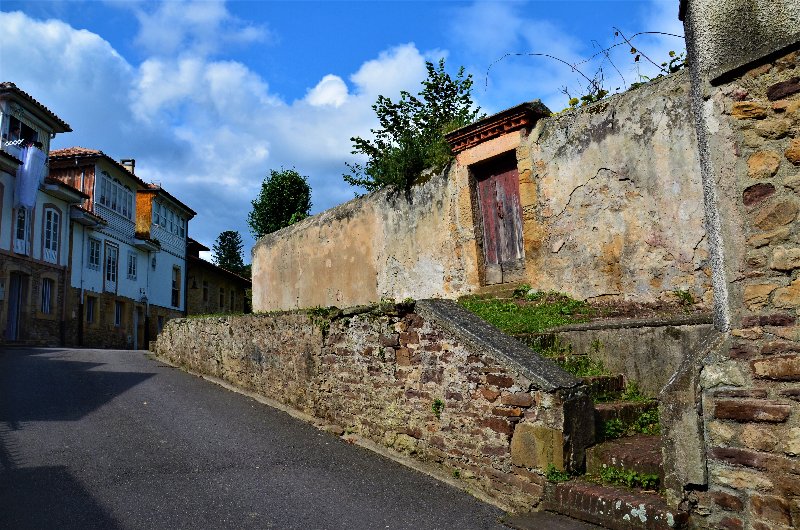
30 176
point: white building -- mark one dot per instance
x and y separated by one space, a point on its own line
34 223
129 251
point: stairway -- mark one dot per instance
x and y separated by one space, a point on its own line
624 472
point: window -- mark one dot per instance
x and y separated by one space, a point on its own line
132 265
115 196
221 298
21 231
176 286
91 304
52 226
19 131
205 291
118 314
160 323
47 296
94 254
233 300
112 258
167 219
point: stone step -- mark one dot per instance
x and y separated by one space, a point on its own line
639 453
627 412
604 385
611 507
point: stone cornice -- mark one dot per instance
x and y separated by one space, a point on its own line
522 116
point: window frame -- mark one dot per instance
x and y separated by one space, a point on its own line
176 286
25 215
116 196
93 241
133 264
51 232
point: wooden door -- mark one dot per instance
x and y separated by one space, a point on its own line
501 216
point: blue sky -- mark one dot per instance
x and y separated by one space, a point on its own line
209 96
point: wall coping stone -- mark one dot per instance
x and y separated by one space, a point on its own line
623 323
485 338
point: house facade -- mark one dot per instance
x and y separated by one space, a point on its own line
35 212
128 259
212 289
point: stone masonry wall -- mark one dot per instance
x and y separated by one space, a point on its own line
611 204
751 386
403 380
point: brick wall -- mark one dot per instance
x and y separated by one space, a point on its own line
751 388
407 380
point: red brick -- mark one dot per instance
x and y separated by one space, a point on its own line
497 425
777 346
781 368
489 394
499 380
757 193
783 89
770 508
760 410
777 319
507 411
791 393
731 523
726 501
522 399
740 457
742 352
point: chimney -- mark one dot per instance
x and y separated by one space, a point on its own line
129 163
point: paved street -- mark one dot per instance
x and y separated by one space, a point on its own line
112 439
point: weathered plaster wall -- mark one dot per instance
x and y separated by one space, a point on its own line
615 206
383 245
612 207
379 374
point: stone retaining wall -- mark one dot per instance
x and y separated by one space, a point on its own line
433 382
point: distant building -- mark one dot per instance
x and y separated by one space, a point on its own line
35 213
213 289
129 252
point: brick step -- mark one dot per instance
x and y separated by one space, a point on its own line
638 453
627 412
611 507
604 385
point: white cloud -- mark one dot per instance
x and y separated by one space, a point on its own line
331 90
208 130
401 67
195 28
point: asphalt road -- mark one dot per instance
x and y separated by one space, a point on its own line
112 439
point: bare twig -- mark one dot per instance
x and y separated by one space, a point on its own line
574 66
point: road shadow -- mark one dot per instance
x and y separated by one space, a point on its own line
48 497
36 387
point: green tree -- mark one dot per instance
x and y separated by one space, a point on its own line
285 198
411 134
227 251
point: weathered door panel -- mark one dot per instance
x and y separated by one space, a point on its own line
501 216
